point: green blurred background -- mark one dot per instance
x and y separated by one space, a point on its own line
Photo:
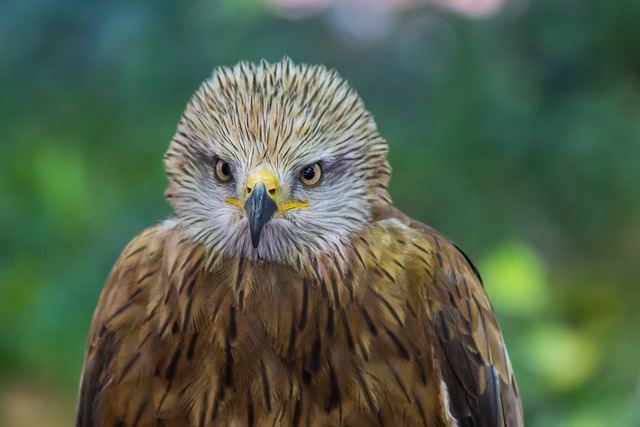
514 129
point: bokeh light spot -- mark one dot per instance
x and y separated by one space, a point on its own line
562 357
514 276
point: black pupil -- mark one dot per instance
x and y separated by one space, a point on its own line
225 169
309 173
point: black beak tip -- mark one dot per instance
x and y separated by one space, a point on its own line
255 239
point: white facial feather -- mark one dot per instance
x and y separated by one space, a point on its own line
279 117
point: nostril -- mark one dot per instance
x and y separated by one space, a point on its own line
248 190
272 191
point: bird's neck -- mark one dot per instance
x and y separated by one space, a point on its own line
201 284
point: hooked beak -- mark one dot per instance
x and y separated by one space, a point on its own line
260 204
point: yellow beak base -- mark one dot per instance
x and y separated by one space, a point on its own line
271 190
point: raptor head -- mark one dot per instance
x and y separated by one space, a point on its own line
276 162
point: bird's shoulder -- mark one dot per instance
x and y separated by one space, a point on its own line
140 269
445 287
127 320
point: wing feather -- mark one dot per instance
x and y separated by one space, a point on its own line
117 332
465 338
478 373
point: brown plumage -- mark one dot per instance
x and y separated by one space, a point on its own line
334 310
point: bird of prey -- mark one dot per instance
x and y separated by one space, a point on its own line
287 289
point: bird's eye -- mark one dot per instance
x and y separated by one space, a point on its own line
310 175
223 170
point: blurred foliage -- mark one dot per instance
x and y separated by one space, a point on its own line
516 134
